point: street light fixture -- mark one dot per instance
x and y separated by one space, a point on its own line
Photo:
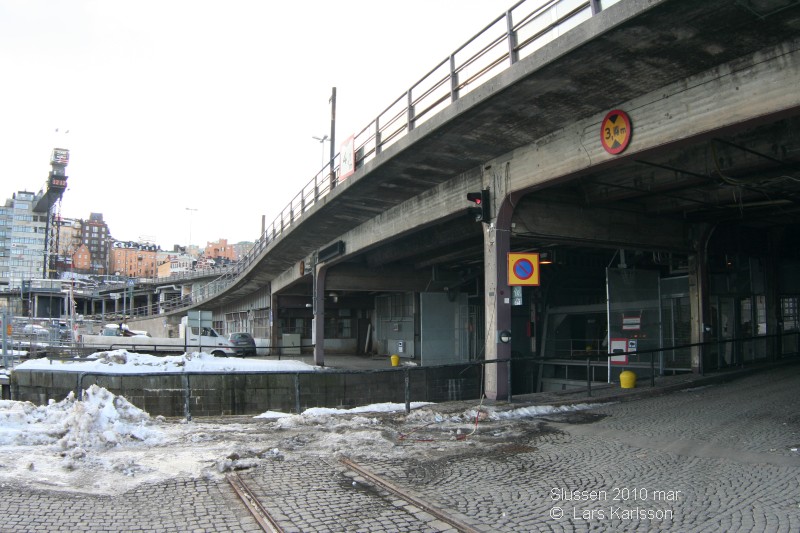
322 142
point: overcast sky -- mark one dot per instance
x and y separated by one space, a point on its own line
176 104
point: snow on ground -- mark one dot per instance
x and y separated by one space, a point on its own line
105 445
125 362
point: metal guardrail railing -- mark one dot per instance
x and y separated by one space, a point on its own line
356 395
651 356
518 32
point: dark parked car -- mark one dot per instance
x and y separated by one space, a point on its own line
243 343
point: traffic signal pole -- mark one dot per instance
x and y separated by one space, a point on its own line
497 293
497 302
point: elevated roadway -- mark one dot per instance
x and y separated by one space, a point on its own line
621 54
711 91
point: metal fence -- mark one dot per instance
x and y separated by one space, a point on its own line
35 337
652 363
205 394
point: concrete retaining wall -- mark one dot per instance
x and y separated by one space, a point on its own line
254 393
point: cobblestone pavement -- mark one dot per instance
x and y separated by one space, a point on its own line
320 496
713 457
180 506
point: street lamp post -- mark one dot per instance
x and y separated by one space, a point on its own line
191 210
322 143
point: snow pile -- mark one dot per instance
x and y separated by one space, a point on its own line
323 421
100 420
484 413
103 419
114 357
125 362
104 444
527 412
324 416
388 407
271 415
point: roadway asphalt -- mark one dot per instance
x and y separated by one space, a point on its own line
695 453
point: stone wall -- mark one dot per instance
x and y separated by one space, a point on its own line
251 393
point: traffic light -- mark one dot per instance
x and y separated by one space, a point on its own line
481 200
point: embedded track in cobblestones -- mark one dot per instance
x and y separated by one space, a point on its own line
259 512
325 496
406 495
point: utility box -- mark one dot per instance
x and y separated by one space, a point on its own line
402 347
291 344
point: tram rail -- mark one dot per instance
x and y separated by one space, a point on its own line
259 509
253 504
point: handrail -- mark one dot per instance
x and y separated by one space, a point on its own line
401 116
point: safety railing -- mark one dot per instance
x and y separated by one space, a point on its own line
434 383
651 360
29 340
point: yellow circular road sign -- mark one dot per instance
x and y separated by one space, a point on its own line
615 132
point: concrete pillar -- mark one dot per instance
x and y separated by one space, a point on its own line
696 311
149 304
497 297
774 316
274 301
318 302
698 296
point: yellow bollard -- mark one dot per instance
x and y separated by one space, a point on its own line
627 380
395 360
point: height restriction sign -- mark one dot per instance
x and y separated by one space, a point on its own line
523 269
615 132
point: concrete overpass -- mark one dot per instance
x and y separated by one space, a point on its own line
710 175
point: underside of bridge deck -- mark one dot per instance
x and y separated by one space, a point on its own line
697 188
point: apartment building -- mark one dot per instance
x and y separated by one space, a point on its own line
68 232
134 260
220 250
83 245
96 237
176 263
241 248
22 240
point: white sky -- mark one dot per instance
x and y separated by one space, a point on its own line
205 105
106 445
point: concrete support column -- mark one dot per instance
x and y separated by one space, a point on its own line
318 326
149 304
496 245
696 311
274 306
698 297
774 315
